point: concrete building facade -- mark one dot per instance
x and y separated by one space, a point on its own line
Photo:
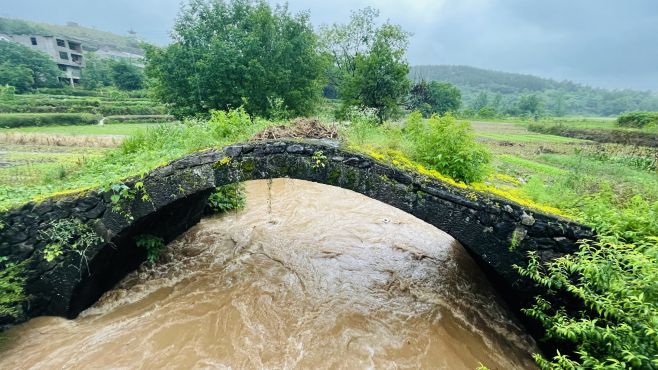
65 52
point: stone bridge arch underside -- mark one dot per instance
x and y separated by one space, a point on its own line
178 193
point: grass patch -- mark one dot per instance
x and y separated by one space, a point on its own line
531 167
124 129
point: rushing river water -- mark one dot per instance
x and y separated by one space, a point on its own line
306 276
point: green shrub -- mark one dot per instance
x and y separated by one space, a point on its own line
615 278
46 119
231 123
362 123
8 92
638 119
12 293
154 246
487 112
449 147
227 198
68 235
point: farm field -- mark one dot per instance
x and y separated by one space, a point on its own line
31 156
559 170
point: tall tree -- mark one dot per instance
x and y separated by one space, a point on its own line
43 70
445 97
98 72
372 71
238 52
434 97
481 101
18 76
127 76
530 105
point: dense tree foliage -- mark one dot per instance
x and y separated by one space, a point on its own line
127 76
98 72
369 68
18 76
238 53
559 98
15 62
528 105
434 97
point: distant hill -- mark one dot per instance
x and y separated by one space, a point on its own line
92 39
501 90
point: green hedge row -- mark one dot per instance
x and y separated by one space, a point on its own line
88 105
105 111
638 119
49 119
140 119
99 93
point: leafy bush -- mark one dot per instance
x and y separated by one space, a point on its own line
12 293
615 279
154 246
68 235
638 119
448 146
7 92
487 112
46 119
227 198
229 123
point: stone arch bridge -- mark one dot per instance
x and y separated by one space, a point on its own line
178 193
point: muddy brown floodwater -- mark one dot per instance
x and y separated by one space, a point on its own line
306 276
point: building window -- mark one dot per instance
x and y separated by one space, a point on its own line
75 46
63 55
62 68
33 40
61 43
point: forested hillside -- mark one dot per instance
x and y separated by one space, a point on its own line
91 39
503 91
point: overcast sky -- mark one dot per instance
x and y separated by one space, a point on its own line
606 43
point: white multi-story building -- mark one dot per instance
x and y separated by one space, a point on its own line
65 52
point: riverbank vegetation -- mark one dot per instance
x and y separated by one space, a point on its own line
217 80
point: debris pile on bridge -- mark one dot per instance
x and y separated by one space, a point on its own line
302 128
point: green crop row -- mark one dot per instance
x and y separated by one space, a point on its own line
47 119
